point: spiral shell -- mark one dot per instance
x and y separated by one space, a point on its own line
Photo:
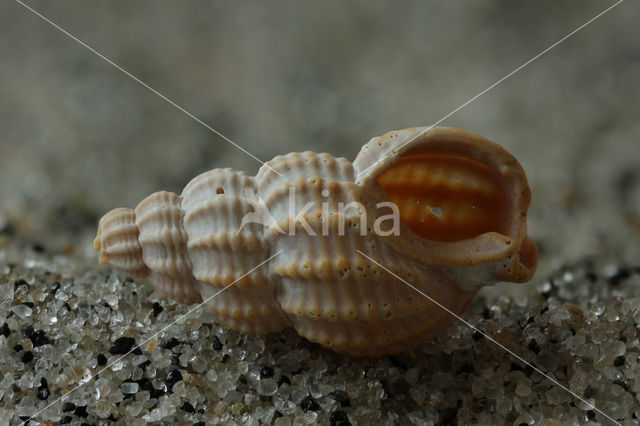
443 209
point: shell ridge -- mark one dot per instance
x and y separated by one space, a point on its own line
210 238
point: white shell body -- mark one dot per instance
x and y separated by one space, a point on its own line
319 282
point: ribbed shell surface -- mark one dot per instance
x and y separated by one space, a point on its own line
159 218
333 273
225 254
117 242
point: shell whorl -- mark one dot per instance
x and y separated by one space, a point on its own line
223 252
163 239
117 242
462 202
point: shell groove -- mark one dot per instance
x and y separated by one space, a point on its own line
454 207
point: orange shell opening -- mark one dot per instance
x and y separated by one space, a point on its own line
447 197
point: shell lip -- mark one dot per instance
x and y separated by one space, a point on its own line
382 152
508 246
524 264
483 248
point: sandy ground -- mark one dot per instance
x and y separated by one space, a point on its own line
78 137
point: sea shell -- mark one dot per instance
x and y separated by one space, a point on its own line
462 205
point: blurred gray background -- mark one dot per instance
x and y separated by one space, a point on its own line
78 137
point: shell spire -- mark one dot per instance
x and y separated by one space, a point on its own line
441 208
